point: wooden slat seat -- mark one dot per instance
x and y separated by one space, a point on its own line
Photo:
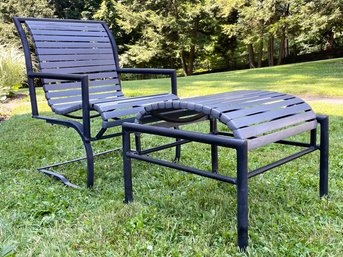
261 117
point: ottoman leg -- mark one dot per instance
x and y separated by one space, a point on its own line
242 197
214 148
324 155
127 167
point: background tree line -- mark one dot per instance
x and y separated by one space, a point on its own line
198 35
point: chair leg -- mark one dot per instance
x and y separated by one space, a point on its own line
90 163
324 155
242 197
127 168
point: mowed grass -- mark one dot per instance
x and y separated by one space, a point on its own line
320 78
174 213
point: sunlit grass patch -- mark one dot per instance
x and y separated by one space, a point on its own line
174 213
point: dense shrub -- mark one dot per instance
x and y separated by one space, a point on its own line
12 70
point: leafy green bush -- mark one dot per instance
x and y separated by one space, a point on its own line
12 70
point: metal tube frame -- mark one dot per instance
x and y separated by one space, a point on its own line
216 139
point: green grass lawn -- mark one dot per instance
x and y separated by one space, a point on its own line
174 214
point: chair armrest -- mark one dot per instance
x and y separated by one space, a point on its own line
43 75
84 91
170 72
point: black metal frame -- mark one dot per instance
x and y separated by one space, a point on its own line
216 139
83 128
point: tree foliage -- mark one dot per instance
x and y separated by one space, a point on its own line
199 34
24 8
162 31
323 28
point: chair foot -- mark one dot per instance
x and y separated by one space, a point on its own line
58 177
90 167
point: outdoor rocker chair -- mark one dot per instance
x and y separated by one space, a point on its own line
78 68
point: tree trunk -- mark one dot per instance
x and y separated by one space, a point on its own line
271 51
282 47
260 53
191 60
184 62
251 55
286 47
187 60
330 41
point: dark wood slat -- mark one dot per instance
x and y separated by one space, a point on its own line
65 93
75 57
78 98
49 38
66 64
270 115
70 85
60 51
80 70
69 33
77 45
274 125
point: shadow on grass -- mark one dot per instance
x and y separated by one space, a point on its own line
173 213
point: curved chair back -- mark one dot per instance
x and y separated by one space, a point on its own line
73 47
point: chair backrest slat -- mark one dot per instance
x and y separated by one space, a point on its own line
92 83
77 37
74 57
61 93
80 69
74 99
74 63
63 51
75 47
